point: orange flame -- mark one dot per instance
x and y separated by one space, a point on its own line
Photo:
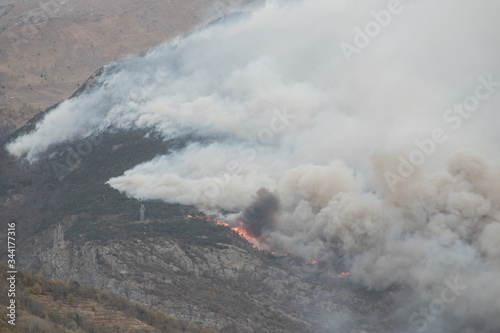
254 242
279 254
222 223
312 262
240 230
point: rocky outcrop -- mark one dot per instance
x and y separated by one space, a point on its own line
228 287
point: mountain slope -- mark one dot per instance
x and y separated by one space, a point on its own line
51 306
191 268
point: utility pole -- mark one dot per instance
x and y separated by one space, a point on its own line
142 210
59 237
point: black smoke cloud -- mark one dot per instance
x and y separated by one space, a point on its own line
261 215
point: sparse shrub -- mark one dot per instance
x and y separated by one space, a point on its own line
74 287
32 324
4 326
35 289
43 318
55 317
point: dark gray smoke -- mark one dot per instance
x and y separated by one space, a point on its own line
261 215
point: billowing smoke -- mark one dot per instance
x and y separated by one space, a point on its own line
373 123
260 216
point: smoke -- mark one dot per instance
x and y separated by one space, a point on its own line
260 216
384 156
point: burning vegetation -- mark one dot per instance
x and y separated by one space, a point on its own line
241 229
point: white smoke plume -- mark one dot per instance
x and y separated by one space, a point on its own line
380 146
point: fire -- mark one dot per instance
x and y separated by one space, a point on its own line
240 230
254 241
279 254
312 262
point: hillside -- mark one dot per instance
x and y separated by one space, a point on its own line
51 306
190 268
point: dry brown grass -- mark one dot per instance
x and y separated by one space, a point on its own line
43 63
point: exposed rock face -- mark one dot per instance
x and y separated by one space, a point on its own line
226 287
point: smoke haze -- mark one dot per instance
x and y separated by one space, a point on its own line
386 159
